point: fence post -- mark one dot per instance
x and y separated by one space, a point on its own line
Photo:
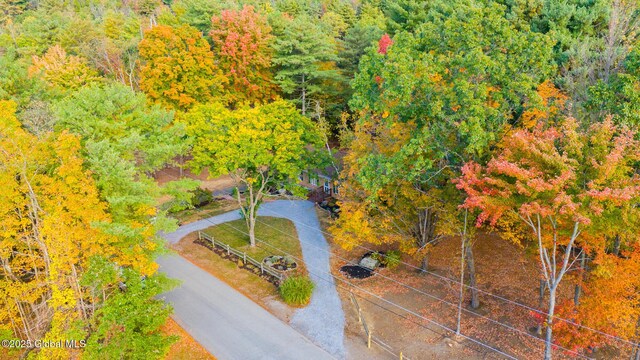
369 340
228 250
244 258
355 303
261 268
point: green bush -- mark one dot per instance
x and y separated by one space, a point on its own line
201 197
296 290
390 259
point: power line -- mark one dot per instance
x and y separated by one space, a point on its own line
372 294
378 297
467 286
427 294
478 289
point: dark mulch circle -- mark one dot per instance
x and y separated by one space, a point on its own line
356 272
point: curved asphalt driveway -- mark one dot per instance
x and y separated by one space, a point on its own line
231 326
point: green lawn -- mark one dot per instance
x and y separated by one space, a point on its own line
277 232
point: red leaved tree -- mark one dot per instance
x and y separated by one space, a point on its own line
568 185
242 45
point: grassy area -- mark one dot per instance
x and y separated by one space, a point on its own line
214 208
186 348
250 284
277 232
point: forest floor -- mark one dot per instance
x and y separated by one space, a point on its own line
503 268
216 207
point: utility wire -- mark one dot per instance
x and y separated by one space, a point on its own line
426 294
378 297
466 286
478 289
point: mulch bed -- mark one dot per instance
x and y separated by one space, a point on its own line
231 257
356 272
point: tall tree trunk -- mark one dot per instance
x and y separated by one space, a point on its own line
252 231
251 219
475 301
543 287
304 96
463 242
78 289
247 208
552 273
549 336
424 264
578 288
425 233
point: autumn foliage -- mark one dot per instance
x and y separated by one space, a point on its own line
51 207
178 68
610 303
575 189
384 43
61 71
242 44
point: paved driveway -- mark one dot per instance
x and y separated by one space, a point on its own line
228 324
231 326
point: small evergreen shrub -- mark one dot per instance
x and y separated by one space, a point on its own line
296 290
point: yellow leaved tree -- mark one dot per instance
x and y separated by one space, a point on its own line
47 236
61 71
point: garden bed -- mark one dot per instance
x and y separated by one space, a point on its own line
279 233
238 260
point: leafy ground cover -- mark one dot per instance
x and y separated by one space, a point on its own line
186 348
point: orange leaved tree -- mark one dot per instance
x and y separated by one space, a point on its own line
242 46
178 68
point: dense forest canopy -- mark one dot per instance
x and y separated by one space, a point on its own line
521 114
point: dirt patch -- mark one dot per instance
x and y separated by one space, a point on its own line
216 207
213 184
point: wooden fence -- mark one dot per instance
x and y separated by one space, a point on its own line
246 259
368 331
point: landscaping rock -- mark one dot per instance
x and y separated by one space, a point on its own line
369 263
